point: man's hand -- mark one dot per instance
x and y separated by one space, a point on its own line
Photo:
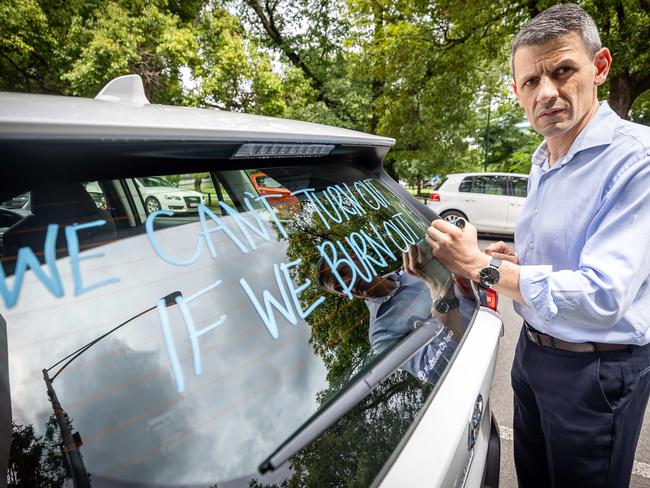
457 249
500 250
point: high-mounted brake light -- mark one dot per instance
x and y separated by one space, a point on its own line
492 299
435 197
282 150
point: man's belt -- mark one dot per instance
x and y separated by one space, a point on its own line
546 340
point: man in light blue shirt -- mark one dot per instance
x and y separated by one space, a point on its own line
582 267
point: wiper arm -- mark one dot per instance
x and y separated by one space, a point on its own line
353 392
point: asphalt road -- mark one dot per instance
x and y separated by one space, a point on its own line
501 401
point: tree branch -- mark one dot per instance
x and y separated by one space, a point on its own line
387 395
271 29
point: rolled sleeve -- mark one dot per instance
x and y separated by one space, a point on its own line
535 287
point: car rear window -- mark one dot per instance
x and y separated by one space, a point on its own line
248 297
439 183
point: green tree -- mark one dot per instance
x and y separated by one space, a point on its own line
625 28
189 53
36 461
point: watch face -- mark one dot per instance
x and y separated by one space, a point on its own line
489 276
442 305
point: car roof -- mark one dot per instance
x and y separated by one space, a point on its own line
47 116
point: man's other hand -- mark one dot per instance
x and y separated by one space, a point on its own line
501 250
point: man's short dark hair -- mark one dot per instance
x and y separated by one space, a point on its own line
556 21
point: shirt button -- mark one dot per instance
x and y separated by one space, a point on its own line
531 245
535 211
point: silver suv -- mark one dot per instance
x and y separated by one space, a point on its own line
271 336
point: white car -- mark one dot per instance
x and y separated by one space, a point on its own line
161 194
490 201
206 348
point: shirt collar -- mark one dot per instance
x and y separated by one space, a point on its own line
598 132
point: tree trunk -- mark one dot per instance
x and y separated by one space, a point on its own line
624 90
620 95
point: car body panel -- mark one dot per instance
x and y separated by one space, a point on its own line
437 451
79 118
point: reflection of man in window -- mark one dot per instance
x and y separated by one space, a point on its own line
399 300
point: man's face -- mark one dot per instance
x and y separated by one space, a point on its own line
556 83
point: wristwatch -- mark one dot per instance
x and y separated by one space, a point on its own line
489 276
444 305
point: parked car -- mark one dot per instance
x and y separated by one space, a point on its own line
491 201
161 194
228 346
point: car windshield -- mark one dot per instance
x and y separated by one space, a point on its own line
282 299
155 181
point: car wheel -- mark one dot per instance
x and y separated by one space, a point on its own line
453 216
152 204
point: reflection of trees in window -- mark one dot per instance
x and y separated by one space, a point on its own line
371 429
339 334
34 460
339 326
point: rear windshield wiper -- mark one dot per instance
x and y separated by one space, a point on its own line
353 392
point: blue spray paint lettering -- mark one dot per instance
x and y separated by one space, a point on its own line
378 244
73 252
363 192
360 247
369 182
310 194
149 227
27 259
337 196
406 227
220 226
270 302
354 201
170 346
405 240
332 259
245 226
271 211
367 273
296 291
337 216
192 333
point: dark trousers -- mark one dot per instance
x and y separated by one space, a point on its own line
577 416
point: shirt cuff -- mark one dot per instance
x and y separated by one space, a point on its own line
535 289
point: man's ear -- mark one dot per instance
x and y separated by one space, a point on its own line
602 62
514 89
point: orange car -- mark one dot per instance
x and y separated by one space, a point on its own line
265 185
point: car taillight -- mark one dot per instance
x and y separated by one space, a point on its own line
435 197
491 299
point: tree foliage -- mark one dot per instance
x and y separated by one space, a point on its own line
35 461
